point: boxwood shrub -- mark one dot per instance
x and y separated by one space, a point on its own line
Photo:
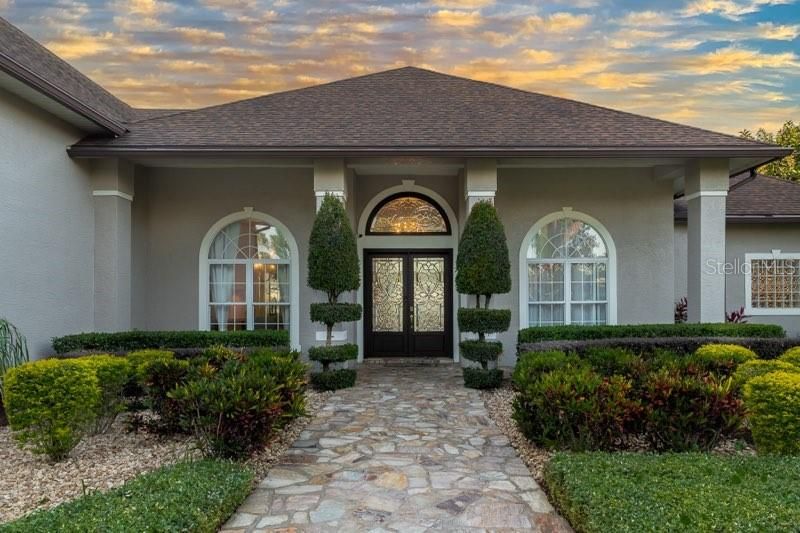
481 351
759 367
337 353
481 320
532 365
51 404
550 333
722 358
482 378
632 492
127 341
191 496
341 378
792 356
773 403
327 313
113 375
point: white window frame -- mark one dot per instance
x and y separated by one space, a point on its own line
610 261
748 285
204 309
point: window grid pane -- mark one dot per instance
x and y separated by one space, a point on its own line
775 283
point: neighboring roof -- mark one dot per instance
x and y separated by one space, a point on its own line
28 61
417 111
757 198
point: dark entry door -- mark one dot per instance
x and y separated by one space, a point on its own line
408 303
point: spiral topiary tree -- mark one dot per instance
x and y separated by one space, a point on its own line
333 269
483 268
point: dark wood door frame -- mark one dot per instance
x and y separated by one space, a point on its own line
409 343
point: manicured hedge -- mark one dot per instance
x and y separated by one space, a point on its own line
624 492
125 341
773 402
766 348
551 333
191 496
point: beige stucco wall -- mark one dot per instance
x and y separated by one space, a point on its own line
47 221
742 239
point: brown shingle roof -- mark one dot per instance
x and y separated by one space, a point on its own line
415 110
758 198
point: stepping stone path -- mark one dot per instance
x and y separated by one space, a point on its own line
407 449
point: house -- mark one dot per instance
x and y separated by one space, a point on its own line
117 218
762 249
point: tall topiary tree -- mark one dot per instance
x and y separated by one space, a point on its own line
333 269
483 268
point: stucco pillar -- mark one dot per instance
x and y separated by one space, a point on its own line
481 181
112 184
706 189
329 178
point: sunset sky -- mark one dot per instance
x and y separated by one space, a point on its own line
718 64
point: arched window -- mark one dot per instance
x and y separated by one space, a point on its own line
567 263
249 277
408 214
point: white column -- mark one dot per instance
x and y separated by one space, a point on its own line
706 189
329 179
112 183
481 181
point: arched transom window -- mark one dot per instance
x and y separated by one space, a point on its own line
248 277
567 262
408 214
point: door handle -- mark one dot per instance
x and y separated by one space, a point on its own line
411 314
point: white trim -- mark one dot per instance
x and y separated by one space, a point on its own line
407 241
114 192
748 286
611 273
698 194
482 194
294 271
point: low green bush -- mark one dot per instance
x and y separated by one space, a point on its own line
328 313
633 493
481 378
161 377
549 333
291 374
127 341
51 404
792 356
113 375
532 365
576 409
684 412
192 496
139 360
722 358
773 403
481 351
482 320
341 378
758 367
337 353
615 361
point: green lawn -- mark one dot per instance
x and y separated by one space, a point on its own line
625 492
191 496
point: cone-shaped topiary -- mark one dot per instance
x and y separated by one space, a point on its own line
483 269
333 269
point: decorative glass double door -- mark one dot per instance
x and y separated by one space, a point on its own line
408 303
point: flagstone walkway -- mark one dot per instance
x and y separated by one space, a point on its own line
408 449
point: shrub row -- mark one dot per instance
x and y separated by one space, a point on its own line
550 333
599 400
191 496
630 492
766 348
126 341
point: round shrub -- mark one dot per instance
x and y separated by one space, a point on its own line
481 351
337 353
334 379
773 404
792 356
530 366
576 409
330 314
113 375
482 321
722 358
481 378
758 367
615 361
140 358
686 412
51 403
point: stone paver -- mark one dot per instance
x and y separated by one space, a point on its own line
408 449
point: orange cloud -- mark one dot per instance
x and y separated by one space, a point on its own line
459 19
734 59
199 35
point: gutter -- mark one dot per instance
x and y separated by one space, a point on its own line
26 76
97 150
